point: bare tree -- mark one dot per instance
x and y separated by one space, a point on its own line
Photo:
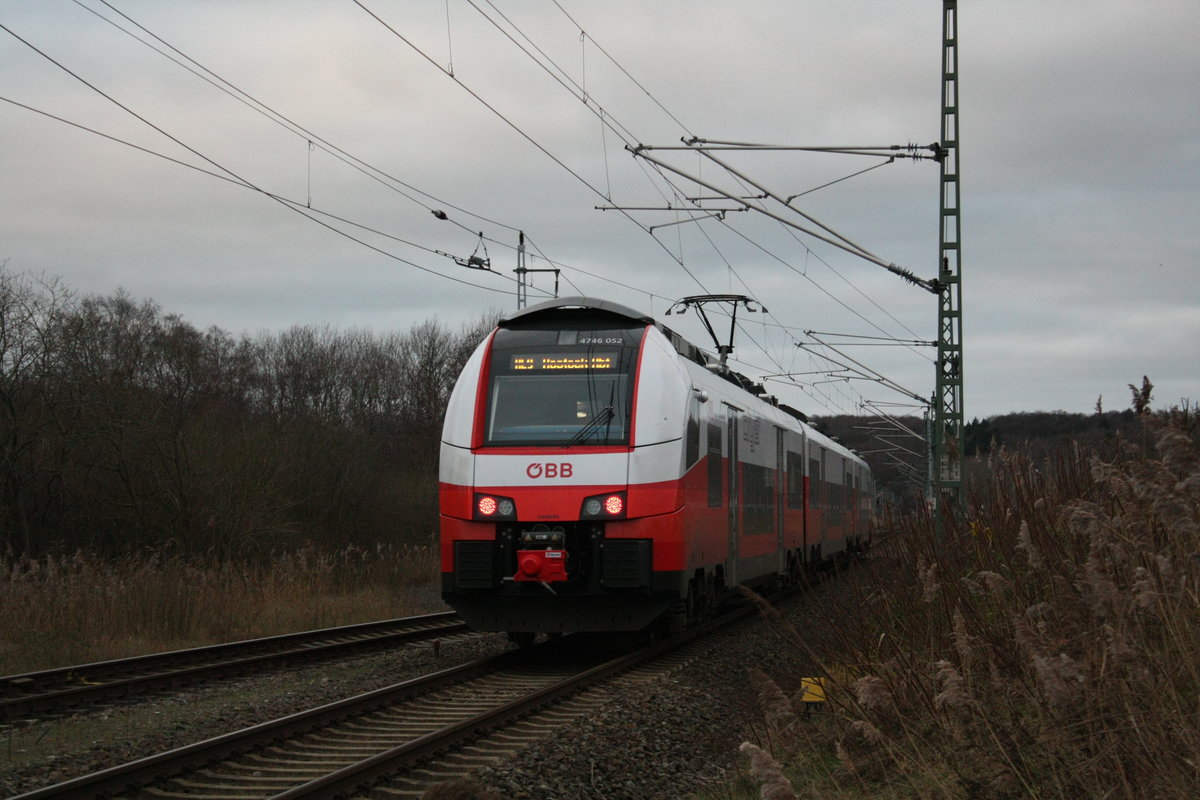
31 312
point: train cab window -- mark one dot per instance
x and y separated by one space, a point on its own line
562 382
715 473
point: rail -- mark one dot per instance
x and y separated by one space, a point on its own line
345 747
46 691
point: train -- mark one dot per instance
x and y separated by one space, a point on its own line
600 473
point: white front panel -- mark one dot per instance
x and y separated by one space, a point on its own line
552 469
460 410
663 392
454 466
657 463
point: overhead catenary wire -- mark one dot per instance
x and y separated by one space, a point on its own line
789 230
624 71
520 131
317 210
600 111
250 101
432 202
235 179
807 277
229 176
384 178
833 239
295 204
311 140
579 91
746 205
892 151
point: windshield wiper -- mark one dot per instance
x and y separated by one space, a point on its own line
603 416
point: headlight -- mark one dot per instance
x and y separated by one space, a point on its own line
610 505
494 507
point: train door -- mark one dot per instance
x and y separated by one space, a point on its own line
732 437
848 501
794 515
814 530
780 490
804 478
855 510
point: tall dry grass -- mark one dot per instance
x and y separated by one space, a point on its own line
57 611
1048 647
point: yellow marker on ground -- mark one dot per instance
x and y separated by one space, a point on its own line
812 690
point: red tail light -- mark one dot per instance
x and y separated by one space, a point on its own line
603 506
494 507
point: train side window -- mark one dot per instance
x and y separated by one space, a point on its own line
795 479
758 498
692 445
715 473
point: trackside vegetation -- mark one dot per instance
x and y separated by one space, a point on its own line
83 607
163 486
126 430
1048 646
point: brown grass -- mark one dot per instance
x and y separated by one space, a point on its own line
1049 647
58 611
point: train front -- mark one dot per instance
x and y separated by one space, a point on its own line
546 525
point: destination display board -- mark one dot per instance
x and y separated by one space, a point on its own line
560 362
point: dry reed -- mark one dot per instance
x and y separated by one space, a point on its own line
57 611
1048 646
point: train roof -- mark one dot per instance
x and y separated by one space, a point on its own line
579 302
681 345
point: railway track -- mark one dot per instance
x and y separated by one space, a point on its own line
393 742
38 694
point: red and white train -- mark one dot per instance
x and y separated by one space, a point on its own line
599 473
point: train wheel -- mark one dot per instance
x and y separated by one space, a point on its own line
710 594
701 597
677 616
522 639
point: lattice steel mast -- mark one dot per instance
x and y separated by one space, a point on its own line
948 393
523 274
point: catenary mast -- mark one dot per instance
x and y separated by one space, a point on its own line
948 392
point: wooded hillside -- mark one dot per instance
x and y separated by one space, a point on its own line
1035 433
124 428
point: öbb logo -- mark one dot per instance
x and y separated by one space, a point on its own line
550 470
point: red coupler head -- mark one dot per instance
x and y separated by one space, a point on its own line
541 565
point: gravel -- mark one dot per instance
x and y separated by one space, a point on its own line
671 737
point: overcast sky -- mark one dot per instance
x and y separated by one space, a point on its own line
1079 160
